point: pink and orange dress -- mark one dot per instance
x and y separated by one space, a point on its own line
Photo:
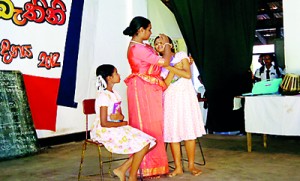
145 104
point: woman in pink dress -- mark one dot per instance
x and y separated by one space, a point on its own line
144 92
182 115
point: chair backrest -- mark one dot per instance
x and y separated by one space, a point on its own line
201 99
88 108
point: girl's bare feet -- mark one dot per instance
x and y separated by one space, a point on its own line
177 171
194 171
118 172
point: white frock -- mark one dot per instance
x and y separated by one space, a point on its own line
182 115
120 140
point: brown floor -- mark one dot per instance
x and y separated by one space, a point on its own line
226 159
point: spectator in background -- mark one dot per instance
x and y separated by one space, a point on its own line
270 70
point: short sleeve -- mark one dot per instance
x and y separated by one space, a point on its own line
182 55
102 100
257 73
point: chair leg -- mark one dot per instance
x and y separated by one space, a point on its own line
100 163
200 147
82 157
110 160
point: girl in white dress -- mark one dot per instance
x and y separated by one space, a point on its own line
182 115
111 130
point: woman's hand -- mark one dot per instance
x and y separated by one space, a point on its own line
167 50
164 39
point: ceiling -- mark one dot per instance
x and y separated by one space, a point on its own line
269 21
269 24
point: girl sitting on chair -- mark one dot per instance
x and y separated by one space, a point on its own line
111 130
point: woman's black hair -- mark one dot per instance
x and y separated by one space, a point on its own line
105 70
135 24
170 40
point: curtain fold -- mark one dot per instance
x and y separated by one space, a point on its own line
220 35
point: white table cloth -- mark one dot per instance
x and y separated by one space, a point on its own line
273 114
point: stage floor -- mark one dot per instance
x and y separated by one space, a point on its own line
226 159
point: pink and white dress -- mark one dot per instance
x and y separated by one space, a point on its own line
182 115
120 140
